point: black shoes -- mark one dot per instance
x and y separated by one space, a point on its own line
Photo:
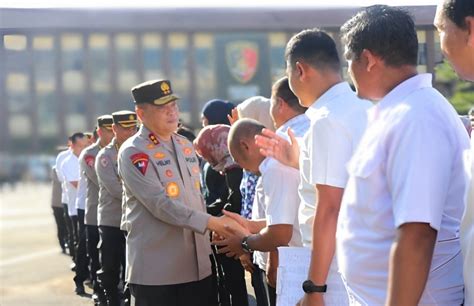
80 289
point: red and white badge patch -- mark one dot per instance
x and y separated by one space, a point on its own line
90 160
140 161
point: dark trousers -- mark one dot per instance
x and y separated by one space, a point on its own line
112 257
264 293
234 279
70 232
75 229
92 238
58 213
188 294
82 261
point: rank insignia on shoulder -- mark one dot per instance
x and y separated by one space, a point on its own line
104 162
153 139
197 184
140 161
150 146
89 159
172 190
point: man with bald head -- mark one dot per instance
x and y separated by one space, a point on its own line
275 222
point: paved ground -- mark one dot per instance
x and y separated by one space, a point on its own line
33 271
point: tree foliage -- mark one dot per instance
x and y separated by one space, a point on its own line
460 93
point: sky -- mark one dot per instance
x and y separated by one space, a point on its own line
200 3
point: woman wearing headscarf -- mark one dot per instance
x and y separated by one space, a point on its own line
211 145
214 112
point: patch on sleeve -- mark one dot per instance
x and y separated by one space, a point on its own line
104 161
140 161
90 160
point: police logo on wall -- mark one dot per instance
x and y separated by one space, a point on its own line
140 161
242 59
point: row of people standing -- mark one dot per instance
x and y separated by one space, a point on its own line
93 189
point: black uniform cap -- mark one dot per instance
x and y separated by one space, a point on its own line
125 118
157 92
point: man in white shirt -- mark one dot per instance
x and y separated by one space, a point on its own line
280 197
455 23
71 174
58 166
398 235
338 120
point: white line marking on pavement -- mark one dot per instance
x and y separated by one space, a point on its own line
21 259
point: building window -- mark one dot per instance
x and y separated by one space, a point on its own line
277 55
205 69
44 67
178 43
99 63
73 81
152 56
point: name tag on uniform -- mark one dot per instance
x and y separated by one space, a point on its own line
191 159
166 162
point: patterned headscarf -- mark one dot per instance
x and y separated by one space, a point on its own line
211 144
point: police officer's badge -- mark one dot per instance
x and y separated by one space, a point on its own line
172 190
165 88
90 160
140 161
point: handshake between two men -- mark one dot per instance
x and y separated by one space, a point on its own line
238 237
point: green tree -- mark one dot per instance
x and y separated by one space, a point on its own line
460 93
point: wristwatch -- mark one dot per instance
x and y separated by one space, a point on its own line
310 287
245 245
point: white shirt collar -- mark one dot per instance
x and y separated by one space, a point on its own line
328 96
292 122
405 88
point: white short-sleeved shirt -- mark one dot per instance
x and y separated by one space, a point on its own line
338 120
59 160
409 167
71 171
81 191
278 191
467 237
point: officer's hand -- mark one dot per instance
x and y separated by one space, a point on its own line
231 245
273 145
237 218
246 262
226 227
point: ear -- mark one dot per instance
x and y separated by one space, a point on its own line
470 30
369 59
140 112
300 70
244 145
99 132
114 128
